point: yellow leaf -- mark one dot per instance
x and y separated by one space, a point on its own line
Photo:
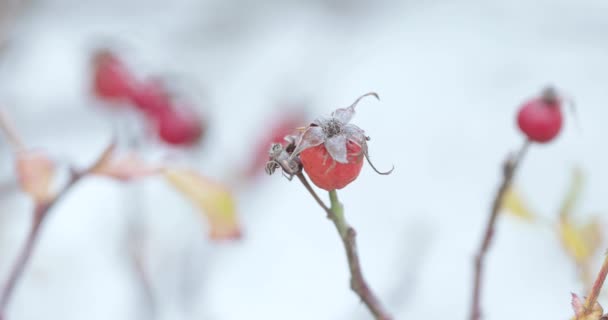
580 241
36 171
513 203
574 192
213 199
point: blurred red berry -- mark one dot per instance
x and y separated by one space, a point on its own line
152 97
178 125
328 174
275 134
540 119
111 78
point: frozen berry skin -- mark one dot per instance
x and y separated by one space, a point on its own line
179 126
111 78
152 98
540 119
328 174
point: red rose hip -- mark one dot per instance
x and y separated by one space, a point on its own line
178 125
325 172
540 119
152 97
332 150
111 78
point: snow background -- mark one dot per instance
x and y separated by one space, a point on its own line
450 75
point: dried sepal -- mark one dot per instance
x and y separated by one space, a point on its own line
581 313
311 137
280 157
335 133
366 153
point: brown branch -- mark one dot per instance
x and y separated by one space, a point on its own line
509 168
40 213
348 235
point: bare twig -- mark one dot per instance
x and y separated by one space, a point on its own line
41 211
597 287
348 235
135 239
509 169
10 133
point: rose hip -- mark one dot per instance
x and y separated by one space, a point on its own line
179 125
540 119
111 78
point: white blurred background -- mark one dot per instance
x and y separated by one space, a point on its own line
451 75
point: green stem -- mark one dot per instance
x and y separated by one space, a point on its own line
338 214
357 281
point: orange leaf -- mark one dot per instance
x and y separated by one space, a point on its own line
36 171
213 199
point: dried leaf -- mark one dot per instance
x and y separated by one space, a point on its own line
581 314
513 204
36 170
213 199
577 304
574 192
581 241
125 168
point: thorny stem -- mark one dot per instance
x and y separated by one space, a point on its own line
597 287
509 168
357 282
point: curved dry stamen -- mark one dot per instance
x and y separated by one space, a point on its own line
366 154
352 106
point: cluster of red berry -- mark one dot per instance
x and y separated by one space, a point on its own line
175 123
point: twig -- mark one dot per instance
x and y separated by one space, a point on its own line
40 213
357 283
597 287
10 133
509 169
135 239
